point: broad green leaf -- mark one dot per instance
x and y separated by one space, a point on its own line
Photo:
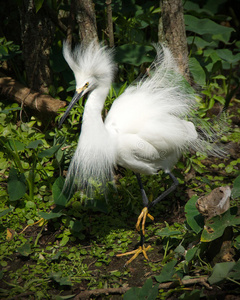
191 253
194 219
38 4
212 6
51 215
49 152
228 56
236 188
214 228
220 272
25 249
193 295
61 280
64 240
147 292
56 256
200 43
97 205
16 185
34 144
237 242
16 145
5 211
180 250
167 272
235 272
207 26
197 71
76 225
30 205
167 232
134 54
58 194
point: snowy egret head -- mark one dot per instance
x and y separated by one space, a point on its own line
93 70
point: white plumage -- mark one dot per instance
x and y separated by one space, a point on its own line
147 128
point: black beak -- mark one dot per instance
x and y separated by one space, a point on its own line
75 99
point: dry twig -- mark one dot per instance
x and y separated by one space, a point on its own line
123 290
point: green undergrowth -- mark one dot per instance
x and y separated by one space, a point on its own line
55 245
52 246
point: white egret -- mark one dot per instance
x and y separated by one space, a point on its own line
145 130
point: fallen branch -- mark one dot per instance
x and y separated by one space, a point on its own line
28 97
123 290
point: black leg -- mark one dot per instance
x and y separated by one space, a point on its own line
162 196
144 196
165 193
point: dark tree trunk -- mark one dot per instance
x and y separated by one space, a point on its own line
110 23
86 19
37 36
172 32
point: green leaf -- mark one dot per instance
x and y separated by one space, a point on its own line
207 26
167 272
194 219
228 56
5 211
229 169
57 277
34 144
236 188
197 71
193 295
49 152
38 4
64 241
199 42
49 216
16 185
214 228
220 272
16 145
191 253
58 194
235 273
98 205
25 249
7 111
76 225
56 256
147 292
133 54
167 232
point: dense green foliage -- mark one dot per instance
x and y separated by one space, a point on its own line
73 243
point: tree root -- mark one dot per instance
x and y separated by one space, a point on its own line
28 97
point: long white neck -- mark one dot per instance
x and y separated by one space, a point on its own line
92 116
95 156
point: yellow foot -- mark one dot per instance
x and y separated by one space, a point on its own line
142 217
141 249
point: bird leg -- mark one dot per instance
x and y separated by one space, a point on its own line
167 192
136 252
144 214
142 217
